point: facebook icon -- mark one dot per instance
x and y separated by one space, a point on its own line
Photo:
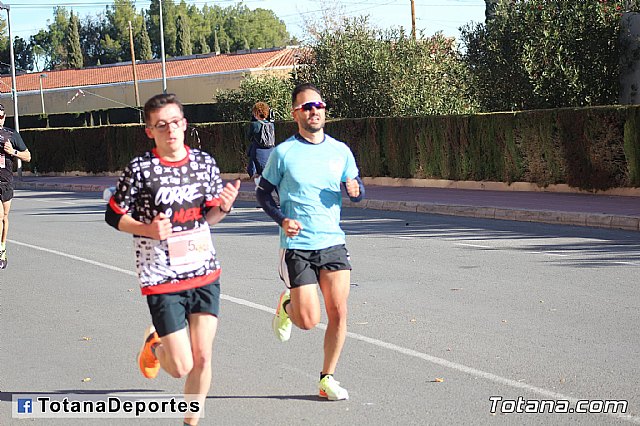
25 406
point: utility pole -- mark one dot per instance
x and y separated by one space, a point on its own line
133 63
413 19
14 89
164 67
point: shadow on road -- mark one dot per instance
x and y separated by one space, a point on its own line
589 248
6 396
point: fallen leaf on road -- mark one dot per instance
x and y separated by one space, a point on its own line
86 338
362 323
412 320
438 380
86 379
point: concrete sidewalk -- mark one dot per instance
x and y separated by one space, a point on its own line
601 211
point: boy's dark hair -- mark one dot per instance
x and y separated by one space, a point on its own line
301 88
159 101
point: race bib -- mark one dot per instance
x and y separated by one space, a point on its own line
190 246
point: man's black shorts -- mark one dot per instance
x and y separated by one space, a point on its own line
169 312
302 267
6 192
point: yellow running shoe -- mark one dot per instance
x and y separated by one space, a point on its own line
147 361
330 388
281 321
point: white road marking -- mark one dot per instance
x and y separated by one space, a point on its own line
71 256
627 263
375 342
472 245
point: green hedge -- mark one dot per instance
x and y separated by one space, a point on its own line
589 148
196 113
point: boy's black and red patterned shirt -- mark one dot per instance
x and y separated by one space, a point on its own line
183 191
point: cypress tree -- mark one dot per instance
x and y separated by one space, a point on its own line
204 46
144 45
74 55
183 36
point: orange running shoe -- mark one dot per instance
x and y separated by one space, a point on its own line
147 361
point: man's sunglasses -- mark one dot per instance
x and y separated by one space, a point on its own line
308 105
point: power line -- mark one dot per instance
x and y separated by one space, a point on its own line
110 3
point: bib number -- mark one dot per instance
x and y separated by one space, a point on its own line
190 246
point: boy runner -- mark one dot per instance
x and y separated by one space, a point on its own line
167 198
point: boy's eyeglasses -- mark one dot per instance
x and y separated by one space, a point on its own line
308 105
162 126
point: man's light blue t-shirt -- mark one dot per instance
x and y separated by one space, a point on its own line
308 178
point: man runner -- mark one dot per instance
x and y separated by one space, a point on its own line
307 169
12 148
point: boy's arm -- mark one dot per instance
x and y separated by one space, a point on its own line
159 229
224 203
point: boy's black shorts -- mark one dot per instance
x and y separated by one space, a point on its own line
170 312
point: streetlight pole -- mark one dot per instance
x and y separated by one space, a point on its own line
43 75
164 71
13 79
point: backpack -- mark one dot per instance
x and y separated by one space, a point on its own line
267 135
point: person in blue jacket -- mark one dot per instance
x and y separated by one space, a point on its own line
261 136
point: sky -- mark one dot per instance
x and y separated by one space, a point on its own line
30 16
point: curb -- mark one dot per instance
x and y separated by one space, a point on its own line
593 220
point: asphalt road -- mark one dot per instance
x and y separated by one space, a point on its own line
448 316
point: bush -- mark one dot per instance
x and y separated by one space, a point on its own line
533 54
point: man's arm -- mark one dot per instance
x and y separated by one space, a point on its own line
266 201
23 154
354 188
291 227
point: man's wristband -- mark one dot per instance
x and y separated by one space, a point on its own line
225 211
15 152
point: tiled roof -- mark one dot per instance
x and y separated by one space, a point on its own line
149 70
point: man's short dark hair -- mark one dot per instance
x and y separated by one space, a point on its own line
301 88
160 101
